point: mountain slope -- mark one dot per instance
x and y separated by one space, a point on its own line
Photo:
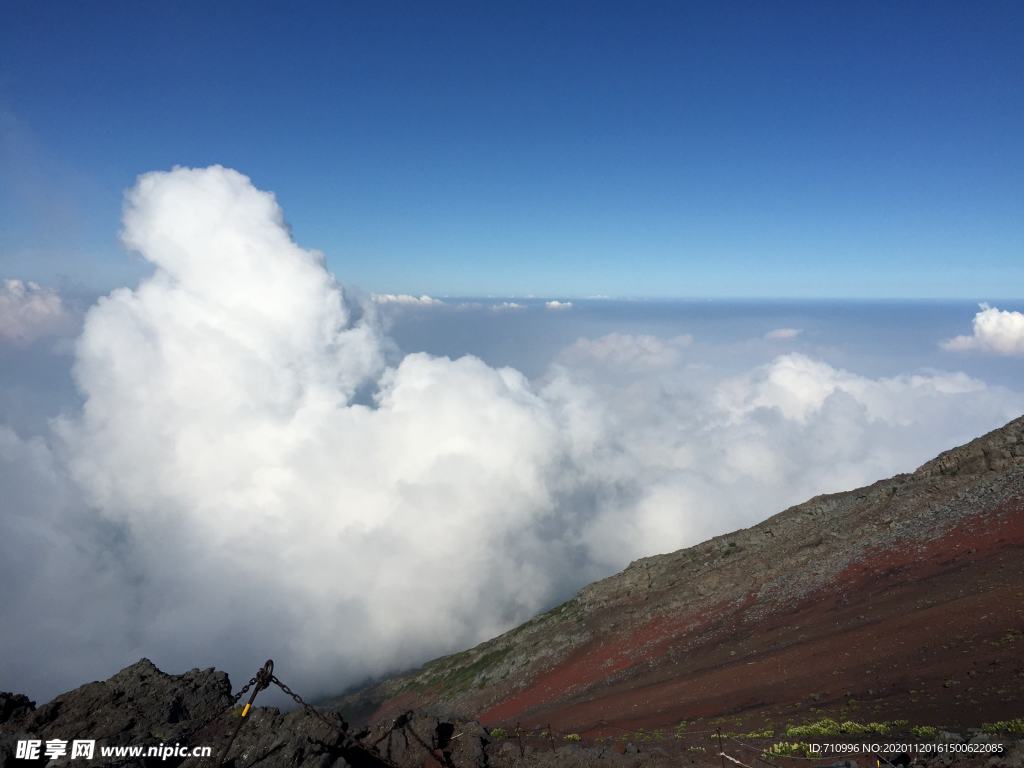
904 599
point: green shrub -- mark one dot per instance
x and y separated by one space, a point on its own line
829 727
766 733
573 737
787 749
824 727
1015 726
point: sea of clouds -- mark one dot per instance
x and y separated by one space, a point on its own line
256 469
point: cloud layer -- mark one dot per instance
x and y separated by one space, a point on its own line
997 331
407 299
783 334
29 312
256 471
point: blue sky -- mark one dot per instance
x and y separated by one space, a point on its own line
642 149
813 151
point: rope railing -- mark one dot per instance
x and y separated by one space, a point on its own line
733 760
761 750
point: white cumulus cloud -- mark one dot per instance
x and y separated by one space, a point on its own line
798 387
404 298
556 304
635 350
29 311
997 331
255 472
240 412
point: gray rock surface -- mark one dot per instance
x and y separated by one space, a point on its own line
14 706
142 706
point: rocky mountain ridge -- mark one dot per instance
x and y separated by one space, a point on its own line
949 534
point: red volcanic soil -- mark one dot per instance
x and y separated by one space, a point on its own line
651 641
931 632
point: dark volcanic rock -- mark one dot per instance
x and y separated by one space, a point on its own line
142 706
14 706
414 737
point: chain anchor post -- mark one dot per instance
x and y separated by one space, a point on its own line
262 680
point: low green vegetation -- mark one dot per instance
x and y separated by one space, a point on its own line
766 733
450 676
642 734
787 749
796 738
829 727
1015 726
570 610
1009 638
498 734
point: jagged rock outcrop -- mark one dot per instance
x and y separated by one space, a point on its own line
142 706
14 706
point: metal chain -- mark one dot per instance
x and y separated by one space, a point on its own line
223 711
403 724
345 739
192 731
261 681
341 726
398 722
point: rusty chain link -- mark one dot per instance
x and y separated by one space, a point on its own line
344 740
403 724
341 726
258 683
220 712
224 710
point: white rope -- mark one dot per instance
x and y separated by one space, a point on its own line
732 759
